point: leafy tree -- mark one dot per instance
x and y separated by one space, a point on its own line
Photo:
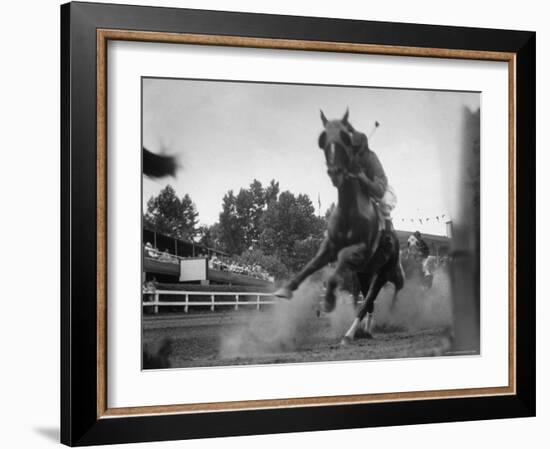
279 225
231 234
271 192
167 214
268 240
245 207
269 263
209 236
258 197
304 250
241 217
286 221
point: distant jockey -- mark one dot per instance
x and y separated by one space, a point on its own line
419 249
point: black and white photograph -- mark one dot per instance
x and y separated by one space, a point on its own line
275 224
295 223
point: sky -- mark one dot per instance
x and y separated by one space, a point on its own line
225 134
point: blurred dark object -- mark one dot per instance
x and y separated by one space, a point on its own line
466 241
156 355
158 166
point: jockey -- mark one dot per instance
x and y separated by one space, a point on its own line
373 178
421 251
421 245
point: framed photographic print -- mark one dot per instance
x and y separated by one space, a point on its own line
277 224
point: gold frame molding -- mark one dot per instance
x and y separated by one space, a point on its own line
105 35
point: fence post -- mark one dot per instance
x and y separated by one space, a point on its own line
236 302
186 309
212 306
156 308
258 302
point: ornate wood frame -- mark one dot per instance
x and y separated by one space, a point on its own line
86 29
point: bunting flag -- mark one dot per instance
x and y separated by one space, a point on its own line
425 220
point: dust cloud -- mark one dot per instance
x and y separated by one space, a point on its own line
294 325
416 308
284 327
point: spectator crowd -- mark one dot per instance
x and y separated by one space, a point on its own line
163 256
224 263
215 262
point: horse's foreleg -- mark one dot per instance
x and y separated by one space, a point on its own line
355 289
325 255
393 299
349 258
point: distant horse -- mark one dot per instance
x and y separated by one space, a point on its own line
355 237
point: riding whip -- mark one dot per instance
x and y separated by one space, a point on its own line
376 125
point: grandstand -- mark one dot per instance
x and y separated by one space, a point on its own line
170 260
181 276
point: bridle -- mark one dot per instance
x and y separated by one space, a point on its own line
339 154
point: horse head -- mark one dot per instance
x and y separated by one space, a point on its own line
412 241
341 145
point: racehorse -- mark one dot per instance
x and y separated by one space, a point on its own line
356 238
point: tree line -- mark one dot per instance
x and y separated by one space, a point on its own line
259 224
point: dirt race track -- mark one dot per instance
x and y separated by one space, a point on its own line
292 333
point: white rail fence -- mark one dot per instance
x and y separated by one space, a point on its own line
212 302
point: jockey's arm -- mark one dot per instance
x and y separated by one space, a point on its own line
372 176
376 187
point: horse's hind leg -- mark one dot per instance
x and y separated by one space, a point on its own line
397 278
354 287
379 265
325 255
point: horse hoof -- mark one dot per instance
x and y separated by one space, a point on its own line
284 293
346 341
361 333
